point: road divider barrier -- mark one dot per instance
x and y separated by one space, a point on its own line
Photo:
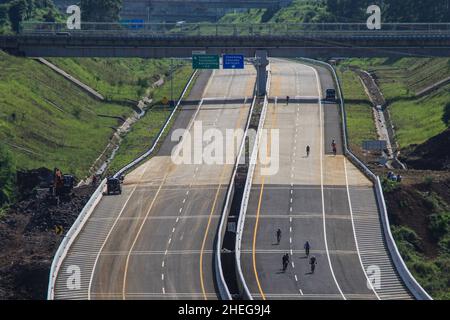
224 291
243 288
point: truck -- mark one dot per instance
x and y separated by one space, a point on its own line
113 186
330 95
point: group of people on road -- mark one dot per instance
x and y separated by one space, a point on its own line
286 257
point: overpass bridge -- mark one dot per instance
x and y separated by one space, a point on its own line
179 40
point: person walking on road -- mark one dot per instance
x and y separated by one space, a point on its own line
308 150
313 263
307 247
287 100
278 236
285 261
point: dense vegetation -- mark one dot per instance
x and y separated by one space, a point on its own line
13 12
427 254
313 11
7 176
100 10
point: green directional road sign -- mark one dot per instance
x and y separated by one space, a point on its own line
205 61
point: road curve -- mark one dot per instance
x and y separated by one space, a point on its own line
319 199
155 241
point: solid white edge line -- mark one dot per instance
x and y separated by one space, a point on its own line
107 238
354 230
319 88
123 208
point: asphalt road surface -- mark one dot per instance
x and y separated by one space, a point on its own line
155 241
310 199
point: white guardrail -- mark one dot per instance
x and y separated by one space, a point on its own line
246 195
220 279
410 282
95 199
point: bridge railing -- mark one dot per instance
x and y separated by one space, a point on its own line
137 29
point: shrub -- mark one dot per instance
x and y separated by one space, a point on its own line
7 176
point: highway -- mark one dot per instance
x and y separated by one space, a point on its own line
322 199
155 241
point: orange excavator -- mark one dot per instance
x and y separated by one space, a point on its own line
62 184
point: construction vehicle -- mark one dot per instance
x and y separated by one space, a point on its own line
114 185
61 184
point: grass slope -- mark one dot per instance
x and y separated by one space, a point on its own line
117 79
143 133
416 119
360 123
45 121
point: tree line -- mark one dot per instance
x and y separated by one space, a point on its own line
414 11
13 12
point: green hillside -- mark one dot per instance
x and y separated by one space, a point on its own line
118 79
416 119
46 121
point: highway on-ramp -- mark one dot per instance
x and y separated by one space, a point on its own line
321 198
155 241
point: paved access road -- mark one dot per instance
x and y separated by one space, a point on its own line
309 200
155 241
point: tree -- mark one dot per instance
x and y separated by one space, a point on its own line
100 10
17 12
49 16
3 13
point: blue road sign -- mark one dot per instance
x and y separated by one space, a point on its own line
133 23
233 61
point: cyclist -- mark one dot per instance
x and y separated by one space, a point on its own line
278 236
285 262
313 263
307 247
308 150
334 147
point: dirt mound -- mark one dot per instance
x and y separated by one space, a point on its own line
29 180
408 206
434 154
28 241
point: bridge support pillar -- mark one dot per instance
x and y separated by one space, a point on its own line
261 63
